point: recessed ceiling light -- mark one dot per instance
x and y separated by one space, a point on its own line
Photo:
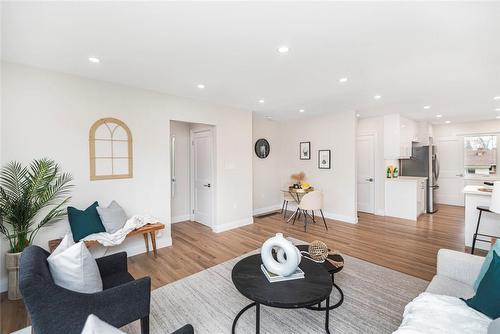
342 80
377 97
283 49
358 115
498 117
94 60
301 110
201 86
496 97
261 101
268 117
439 116
448 122
427 107
497 109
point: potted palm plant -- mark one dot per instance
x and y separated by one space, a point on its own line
30 198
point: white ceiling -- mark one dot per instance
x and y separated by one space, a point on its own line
442 54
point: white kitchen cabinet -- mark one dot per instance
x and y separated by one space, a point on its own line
399 133
405 197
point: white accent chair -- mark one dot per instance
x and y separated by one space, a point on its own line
287 198
310 202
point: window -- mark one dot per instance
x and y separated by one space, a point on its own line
480 154
110 147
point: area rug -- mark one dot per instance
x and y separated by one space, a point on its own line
375 298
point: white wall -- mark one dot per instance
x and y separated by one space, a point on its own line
336 132
181 194
375 125
49 114
266 172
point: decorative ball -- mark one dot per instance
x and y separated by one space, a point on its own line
318 250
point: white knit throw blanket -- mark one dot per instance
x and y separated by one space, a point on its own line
114 239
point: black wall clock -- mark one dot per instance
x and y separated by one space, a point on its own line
262 148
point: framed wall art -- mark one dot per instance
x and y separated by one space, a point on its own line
324 157
262 148
305 150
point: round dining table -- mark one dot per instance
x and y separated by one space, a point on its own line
296 193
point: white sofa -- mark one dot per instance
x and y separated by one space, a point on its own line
455 276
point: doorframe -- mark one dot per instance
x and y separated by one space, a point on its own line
375 175
192 132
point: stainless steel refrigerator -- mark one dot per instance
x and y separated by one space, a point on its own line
423 162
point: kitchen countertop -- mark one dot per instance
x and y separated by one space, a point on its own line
474 190
407 178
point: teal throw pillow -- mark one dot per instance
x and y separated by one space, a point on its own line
84 222
486 263
487 298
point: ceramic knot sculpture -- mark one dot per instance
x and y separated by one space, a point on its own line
288 256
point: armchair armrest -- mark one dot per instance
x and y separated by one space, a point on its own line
459 266
123 304
112 264
186 329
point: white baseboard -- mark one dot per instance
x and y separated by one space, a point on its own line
331 215
233 224
266 209
179 219
380 212
140 249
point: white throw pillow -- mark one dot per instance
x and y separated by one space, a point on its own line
94 325
113 217
65 243
74 268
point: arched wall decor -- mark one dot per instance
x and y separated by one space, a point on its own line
110 147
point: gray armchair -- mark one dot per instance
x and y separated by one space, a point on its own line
54 309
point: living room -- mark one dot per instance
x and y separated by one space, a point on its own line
172 145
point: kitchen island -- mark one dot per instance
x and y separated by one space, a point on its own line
405 197
490 222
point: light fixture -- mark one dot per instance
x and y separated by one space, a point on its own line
496 97
342 80
377 97
283 49
261 101
268 117
201 86
497 109
439 116
94 60
358 115
427 107
448 122
498 117
301 110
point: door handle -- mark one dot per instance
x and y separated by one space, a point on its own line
370 179
207 185
460 175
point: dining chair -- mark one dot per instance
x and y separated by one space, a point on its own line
310 202
287 198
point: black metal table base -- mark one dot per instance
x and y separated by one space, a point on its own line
341 300
257 315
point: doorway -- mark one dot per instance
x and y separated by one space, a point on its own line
192 161
365 148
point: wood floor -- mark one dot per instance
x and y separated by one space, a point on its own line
402 245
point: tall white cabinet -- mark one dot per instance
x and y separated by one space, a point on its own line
399 134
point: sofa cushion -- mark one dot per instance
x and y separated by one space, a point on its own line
486 264
487 298
438 314
113 217
84 222
75 269
443 285
94 325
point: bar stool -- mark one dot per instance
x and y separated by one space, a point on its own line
494 208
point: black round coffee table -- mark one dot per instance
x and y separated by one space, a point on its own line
251 282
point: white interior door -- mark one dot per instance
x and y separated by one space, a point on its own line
365 147
450 154
202 176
